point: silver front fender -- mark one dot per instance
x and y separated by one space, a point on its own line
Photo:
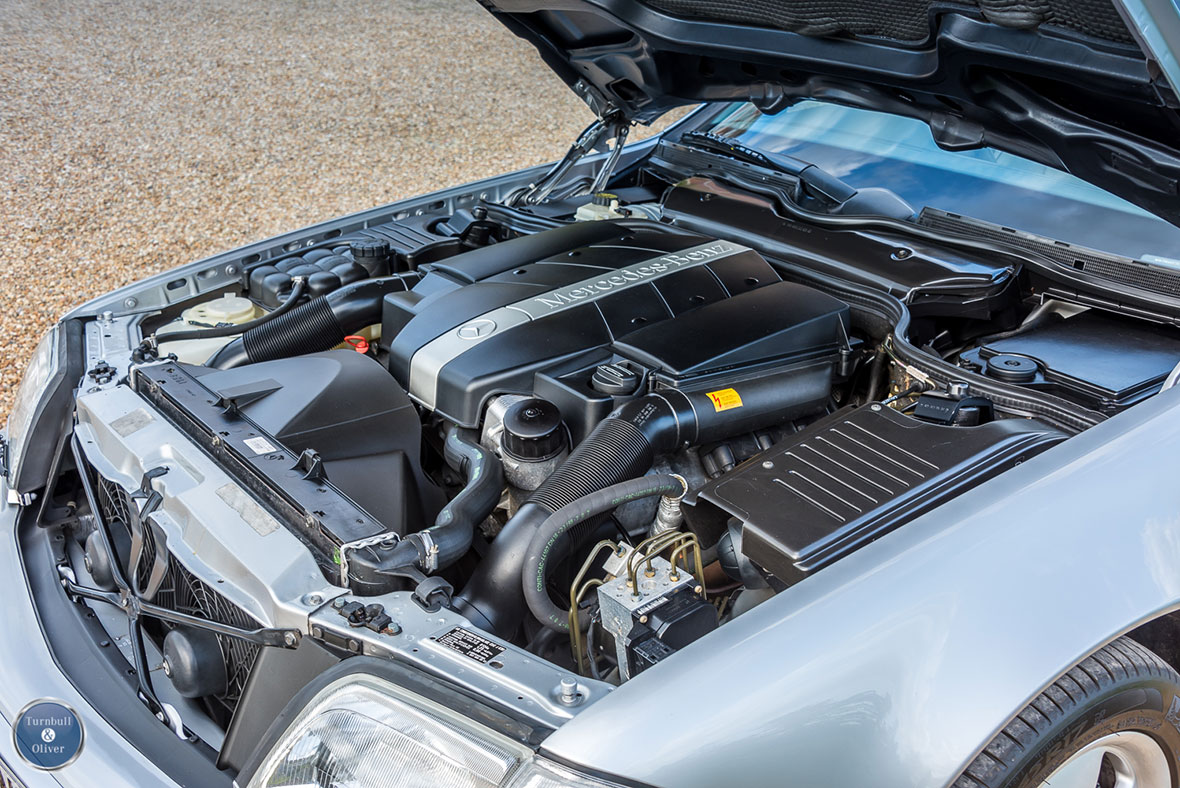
895 666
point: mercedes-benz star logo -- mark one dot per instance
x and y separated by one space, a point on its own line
477 329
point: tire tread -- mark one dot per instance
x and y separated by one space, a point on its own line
1121 659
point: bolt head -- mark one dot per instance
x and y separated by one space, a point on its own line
568 691
338 603
130 303
290 639
230 270
874 406
767 465
354 646
167 666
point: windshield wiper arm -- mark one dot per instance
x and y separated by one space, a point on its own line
815 184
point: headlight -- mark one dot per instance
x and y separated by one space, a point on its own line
30 401
364 732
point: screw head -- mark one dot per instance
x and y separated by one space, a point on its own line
167 666
767 464
313 599
230 270
874 406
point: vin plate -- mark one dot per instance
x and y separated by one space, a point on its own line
470 644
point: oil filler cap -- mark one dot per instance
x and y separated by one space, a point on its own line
615 380
533 430
1012 369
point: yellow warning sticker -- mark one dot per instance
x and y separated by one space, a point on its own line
726 399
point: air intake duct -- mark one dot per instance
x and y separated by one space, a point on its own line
624 446
320 324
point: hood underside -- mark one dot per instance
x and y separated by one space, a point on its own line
1068 83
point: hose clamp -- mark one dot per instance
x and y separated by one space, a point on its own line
389 539
429 551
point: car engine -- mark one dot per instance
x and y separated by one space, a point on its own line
546 456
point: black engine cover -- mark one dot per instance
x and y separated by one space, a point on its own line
546 310
849 479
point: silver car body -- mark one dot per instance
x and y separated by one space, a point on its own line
893 667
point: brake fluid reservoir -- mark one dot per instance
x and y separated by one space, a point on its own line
226 310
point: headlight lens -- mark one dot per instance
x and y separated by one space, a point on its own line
364 732
43 367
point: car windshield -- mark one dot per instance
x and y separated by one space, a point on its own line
875 149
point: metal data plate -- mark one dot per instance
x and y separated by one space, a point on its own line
447 645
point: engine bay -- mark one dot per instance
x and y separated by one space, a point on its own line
523 448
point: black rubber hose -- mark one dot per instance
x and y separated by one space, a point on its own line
215 332
320 324
450 537
558 524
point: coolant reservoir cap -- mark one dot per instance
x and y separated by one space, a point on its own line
533 430
369 247
1012 369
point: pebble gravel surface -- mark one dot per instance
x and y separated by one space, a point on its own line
136 136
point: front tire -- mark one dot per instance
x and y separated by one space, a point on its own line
1112 721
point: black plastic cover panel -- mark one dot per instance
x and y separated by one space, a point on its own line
1101 362
855 476
326 442
679 304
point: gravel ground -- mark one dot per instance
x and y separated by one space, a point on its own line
136 136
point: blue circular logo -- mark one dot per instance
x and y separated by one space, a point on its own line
48 734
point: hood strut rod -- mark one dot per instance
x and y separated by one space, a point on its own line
592 138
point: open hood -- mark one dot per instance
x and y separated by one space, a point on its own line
1082 85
